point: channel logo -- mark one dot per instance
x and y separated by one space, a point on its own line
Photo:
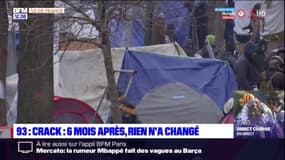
20 13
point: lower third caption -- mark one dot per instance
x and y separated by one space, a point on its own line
105 147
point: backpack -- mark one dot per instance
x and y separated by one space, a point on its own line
266 84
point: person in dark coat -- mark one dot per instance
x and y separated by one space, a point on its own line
275 73
258 63
244 65
276 52
201 15
229 56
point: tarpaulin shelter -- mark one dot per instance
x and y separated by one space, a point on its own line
81 74
66 110
128 29
202 79
131 32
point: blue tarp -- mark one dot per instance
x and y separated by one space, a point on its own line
173 12
178 15
212 77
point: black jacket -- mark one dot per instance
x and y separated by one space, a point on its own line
231 59
244 74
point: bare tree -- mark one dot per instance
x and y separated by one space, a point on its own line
3 54
35 68
216 24
105 12
148 33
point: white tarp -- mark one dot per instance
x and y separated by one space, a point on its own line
12 98
81 75
274 18
12 59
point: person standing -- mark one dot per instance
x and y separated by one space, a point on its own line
273 77
244 65
258 64
201 15
229 56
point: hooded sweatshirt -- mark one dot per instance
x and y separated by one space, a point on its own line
244 75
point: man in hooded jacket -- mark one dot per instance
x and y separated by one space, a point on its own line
229 56
275 74
245 65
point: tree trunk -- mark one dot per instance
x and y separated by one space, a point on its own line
148 22
3 56
112 94
106 48
212 17
35 102
216 24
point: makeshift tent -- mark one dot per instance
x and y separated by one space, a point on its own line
211 77
12 98
82 75
177 103
274 19
70 110
131 31
128 29
67 110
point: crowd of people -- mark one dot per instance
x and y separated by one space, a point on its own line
254 68
254 71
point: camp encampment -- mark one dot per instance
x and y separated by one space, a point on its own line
73 80
85 80
66 110
164 87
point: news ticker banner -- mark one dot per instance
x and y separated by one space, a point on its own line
123 131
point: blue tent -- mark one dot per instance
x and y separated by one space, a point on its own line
211 77
174 12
